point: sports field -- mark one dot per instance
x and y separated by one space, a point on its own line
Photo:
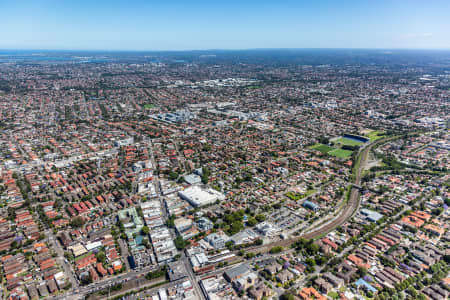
348 142
340 153
322 148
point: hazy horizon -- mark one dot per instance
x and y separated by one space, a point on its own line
222 49
233 25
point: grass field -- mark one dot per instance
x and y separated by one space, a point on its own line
297 196
82 256
348 142
149 106
375 135
333 294
340 153
322 148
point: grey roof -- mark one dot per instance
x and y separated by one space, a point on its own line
371 215
237 271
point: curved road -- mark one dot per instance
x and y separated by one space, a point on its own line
346 213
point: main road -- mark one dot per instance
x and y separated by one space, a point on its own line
346 213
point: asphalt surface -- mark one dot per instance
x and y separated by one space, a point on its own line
346 213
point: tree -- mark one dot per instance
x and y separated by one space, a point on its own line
320 260
101 257
145 230
362 271
116 287
180 243
229 245
85 280
251 222
259 242
173 175
310 261
236 226
421 296
171 222
437 211
323 140
276 249
205 175
14 245
287 296
77 222
277 205
260 218
156 274
412 291
312 248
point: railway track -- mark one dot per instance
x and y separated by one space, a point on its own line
347 212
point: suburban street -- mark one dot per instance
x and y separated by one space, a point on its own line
60 257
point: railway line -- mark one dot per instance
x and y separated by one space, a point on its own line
346 213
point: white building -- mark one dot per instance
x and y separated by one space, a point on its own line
217 240
200 196
267 229
124 142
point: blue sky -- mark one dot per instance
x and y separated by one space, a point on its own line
231 24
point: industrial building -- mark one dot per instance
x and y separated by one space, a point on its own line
199 196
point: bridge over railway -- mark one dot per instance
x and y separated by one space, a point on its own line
346 212
356 186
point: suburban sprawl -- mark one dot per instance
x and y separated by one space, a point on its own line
213 175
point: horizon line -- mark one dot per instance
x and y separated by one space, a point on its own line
222 49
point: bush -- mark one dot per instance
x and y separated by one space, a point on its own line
180 243
260 218
145 230
156 274
77 222
173 175
252 222
287 296
276 249
259 242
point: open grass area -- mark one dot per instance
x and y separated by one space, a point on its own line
298 196
340 153
310 192
348 142
322 148
82 256
149 106
355 168
294 196
333 295
375 135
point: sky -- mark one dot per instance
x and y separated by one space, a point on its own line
230 24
